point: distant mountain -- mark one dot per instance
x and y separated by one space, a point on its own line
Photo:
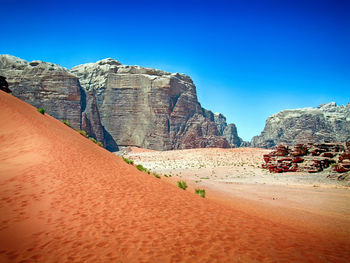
121 105
327 122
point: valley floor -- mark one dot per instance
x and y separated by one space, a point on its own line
233 177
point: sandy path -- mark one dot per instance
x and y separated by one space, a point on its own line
64 199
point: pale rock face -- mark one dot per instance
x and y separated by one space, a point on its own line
149 108
327 122
229 132
44 85
50 86
231 135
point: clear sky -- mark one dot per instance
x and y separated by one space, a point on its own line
248 59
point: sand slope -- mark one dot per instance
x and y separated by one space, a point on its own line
64 199
233 177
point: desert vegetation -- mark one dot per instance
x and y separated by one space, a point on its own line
200 192
41 110
156 175
83 133
182 185
141 168
128 161
66 122
93 140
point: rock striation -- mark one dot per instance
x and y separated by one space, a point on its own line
327 122
121 105
50 86
150 108
311 157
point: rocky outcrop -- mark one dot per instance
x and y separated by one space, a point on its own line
309 157
121 105
149 108
50 86
229 132
327 122
200 132
44 85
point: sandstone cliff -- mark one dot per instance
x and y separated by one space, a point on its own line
121 105
149 108
327 122
50 86
229 132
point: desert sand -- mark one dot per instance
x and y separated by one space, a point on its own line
65 199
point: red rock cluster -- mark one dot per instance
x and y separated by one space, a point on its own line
309 157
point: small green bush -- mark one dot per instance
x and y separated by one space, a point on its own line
156 175
66 122
100 144
182 184
83 133
41 110
200 192
93 140
141 168
128 161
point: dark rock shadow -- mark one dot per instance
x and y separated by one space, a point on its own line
111 144
4 85
82 99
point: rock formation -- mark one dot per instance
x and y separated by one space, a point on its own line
50 86
309 158
121 105
229 132
327 122
150 108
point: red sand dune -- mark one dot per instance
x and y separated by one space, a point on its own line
65 199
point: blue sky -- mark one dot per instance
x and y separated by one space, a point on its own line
248 59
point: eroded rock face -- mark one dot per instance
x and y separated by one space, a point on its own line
121 105
44 85
149 108
50 86
327 122
229 132
90 117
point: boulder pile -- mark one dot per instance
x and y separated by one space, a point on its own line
310 157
